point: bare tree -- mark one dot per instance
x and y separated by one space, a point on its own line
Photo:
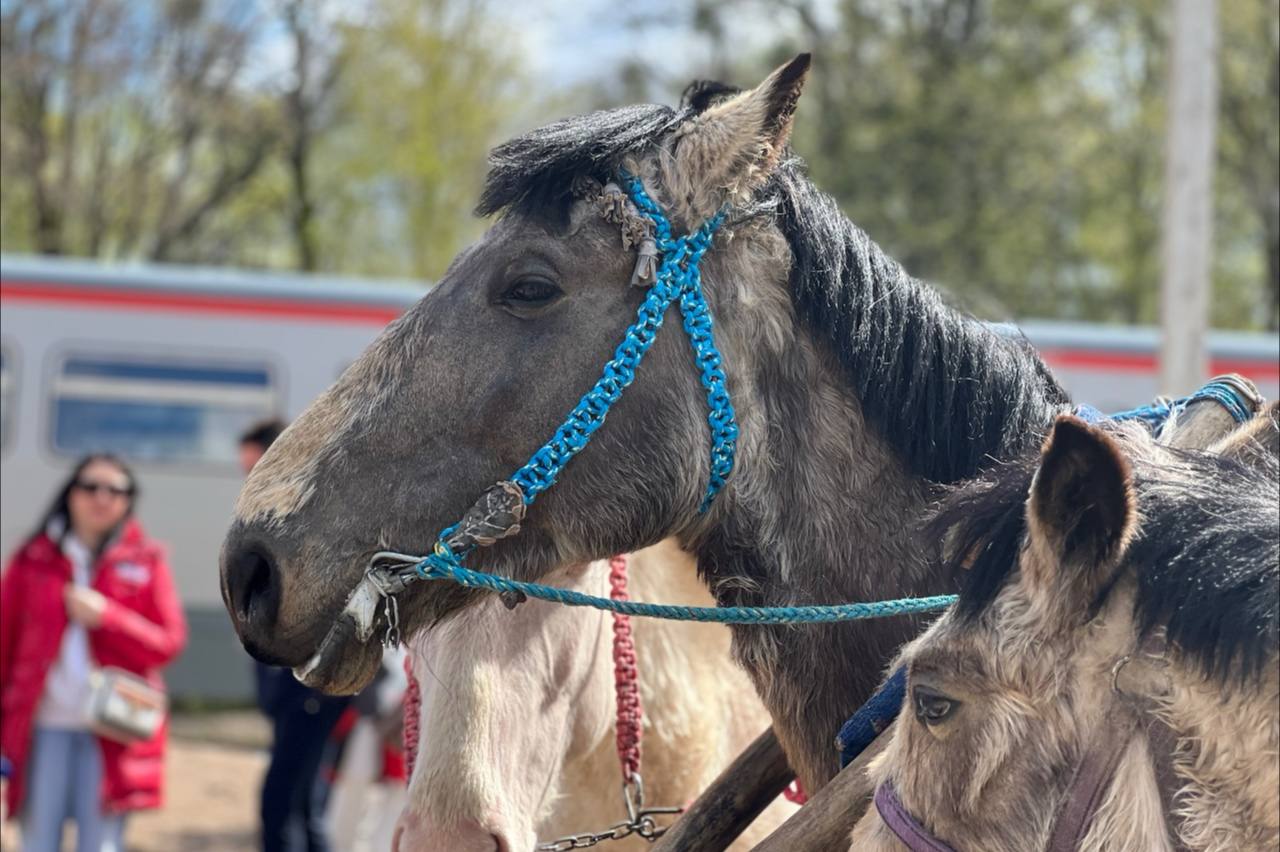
317 65
126 127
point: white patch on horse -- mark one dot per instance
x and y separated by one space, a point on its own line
284 480
517 724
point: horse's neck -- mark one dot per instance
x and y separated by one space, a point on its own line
1229 757
700 706
820 511
853 383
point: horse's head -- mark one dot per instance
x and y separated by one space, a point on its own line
1108 582
461 390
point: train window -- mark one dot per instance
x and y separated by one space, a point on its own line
159 410
8 394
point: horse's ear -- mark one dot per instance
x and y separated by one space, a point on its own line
1081 513
732 146
1255 442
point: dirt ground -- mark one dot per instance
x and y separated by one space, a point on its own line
211 801
214 769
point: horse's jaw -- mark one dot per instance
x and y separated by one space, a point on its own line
348 657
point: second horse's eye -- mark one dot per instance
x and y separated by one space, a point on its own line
932 707
531 291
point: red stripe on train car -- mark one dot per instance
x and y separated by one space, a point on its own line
1259 369
288 309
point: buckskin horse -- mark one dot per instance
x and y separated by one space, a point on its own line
1108 679
855 392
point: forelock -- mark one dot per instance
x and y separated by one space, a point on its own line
536 171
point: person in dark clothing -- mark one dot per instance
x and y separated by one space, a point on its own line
293 793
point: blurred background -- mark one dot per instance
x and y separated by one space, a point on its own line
1011 149
208 209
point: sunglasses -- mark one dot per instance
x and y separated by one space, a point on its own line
95 488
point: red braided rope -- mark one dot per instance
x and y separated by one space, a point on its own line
412 718
625 686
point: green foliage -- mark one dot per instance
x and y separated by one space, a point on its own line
425 91
124 128
149 133
1012 150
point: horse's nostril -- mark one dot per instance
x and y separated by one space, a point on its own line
254 584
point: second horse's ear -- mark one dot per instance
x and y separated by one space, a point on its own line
727 151
1081 512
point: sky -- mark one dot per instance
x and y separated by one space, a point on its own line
568 44
571 42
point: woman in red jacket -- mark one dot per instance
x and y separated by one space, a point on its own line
87 590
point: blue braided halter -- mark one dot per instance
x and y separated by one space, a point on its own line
677 280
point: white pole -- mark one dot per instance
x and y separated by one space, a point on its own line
1187 223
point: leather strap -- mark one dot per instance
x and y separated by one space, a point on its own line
1089 783
905 826
1163 744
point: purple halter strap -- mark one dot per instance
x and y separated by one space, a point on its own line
903 824
1084 795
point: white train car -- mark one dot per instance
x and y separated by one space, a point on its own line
167 365
1115 367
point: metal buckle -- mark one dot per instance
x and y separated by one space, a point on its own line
390 581
642 818
1151 677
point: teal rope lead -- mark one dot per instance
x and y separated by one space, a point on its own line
678 280
440 566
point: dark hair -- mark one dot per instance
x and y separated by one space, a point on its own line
59 511
1206 556
263 433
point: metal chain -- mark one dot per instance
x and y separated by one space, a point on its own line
391 611
640 820
586 841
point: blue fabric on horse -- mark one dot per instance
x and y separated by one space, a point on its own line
1228 391
872 717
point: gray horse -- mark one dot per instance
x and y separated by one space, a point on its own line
858 391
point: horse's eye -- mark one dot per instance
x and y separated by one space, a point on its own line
932 708
531 292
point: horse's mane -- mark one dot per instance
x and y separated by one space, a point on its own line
946 392
1206 555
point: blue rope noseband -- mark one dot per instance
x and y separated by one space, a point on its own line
498 512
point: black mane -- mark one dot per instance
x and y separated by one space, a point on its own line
946 392
537 170
1206 555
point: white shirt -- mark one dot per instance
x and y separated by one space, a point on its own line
65 702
